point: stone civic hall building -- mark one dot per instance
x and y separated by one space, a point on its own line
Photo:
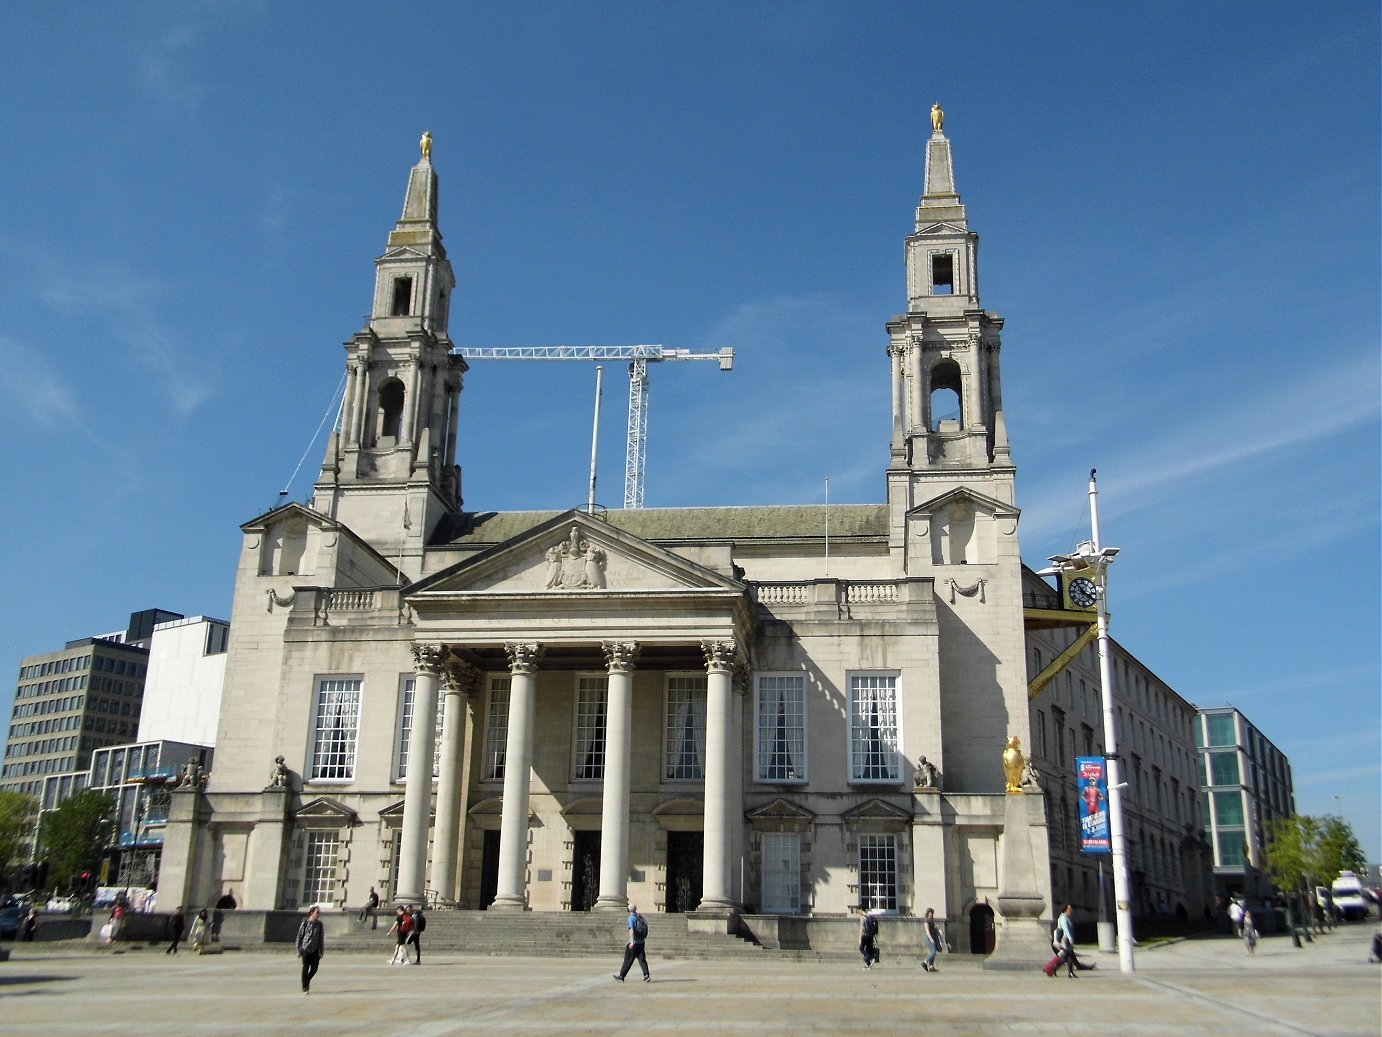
709 710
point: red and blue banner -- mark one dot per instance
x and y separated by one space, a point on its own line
1091 777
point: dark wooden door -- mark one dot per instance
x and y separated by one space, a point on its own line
685 854
585 871
489 869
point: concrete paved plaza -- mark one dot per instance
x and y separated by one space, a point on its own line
1196 987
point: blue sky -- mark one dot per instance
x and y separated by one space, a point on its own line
1179 211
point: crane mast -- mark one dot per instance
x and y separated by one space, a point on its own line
638 357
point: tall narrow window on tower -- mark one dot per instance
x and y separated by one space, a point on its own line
943 273
402 297
390 411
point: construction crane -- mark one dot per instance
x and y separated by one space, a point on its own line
638 357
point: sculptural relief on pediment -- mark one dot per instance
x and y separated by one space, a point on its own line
575 564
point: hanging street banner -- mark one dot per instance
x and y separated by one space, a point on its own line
1091 775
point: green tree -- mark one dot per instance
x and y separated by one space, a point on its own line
1311 851
75 835
17 814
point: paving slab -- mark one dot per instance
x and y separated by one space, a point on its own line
1206 986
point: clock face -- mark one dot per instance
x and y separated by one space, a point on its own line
1083 592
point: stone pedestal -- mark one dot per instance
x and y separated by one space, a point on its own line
1023 938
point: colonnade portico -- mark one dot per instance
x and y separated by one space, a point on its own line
434 672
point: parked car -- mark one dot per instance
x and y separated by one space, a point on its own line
64 905
12 912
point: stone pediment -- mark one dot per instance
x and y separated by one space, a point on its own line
572 554
980 502
326 813
875 813
403 253
781 815
941 228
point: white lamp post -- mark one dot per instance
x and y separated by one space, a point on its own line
1091 561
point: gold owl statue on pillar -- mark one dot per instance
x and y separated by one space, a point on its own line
1013 765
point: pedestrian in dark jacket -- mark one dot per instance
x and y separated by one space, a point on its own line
311 945
177 925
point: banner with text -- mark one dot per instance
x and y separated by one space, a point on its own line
1092 778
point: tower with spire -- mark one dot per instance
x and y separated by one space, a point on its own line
390 469
948 430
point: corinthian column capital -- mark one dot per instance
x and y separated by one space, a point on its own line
523 656
720 656
620 655
458 676
427 659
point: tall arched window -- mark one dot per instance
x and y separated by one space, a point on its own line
390 410
945 394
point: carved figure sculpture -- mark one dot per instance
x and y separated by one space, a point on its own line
1013 764
1031 780
553 567
575 564
425 145
937 117
191 774
594 565
279 778
927 775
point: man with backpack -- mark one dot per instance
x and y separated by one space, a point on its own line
638 933
868 933
415 937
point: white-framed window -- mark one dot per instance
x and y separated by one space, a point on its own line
335 728
319 868
684 746
781 873
406 690
780 748
592 700
878 872
873 748
497 727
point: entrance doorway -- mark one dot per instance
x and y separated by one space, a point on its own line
982 936
489 869
685 853
585 870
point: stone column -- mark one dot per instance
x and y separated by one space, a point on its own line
614 815
512 889
895 353
417 799
348 403
719 726
458 681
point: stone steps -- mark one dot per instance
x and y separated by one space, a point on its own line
540 935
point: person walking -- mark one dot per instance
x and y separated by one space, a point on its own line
311 946
635 949
415 937
29 926
401 929
371 908
201 931
1249 934
1063 943
868 935
1235 916
932 936
177 925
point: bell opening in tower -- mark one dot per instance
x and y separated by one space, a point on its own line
943 274
402 297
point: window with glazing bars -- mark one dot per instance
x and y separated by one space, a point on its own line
878 872
497 727
685 744
405 730
782 727
873 754
319 868
336 727
591 698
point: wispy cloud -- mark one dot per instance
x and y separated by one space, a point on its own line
128 303
34 387
1285 417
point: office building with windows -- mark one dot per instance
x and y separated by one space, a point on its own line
718 711
73 701
1169 864
1246 783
